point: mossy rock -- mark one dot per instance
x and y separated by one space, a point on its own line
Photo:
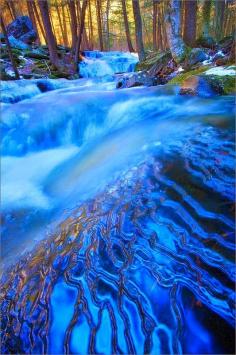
222 85
179 79
152 60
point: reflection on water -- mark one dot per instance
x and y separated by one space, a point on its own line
145 262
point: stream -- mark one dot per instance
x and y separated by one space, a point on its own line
117 216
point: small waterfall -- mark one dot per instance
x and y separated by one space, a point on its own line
99 64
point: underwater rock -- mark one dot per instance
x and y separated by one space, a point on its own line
22 29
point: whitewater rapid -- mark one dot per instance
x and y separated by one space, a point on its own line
118 219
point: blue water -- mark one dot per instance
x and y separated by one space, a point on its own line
100 64
118 220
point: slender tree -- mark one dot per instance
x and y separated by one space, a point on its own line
43 6
84 41
14 66
154 25
160 29
81 29
126 23
35 10
206 13
90 26
12 6
219 19
73 22
107 25
64 25
138 29
60 23
173 30
10 10
99 20
190 22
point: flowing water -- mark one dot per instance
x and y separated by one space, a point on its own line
118 219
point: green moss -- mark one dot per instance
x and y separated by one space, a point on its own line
179 79
224 85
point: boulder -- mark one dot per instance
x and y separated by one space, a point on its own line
222 61
136 79
225 45
208 85
15 43
22 29
196 85
196 55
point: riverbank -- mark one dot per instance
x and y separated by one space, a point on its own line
203 69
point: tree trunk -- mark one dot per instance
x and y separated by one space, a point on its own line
10 10
206 12
126 23
43 6
98 3
107 25
160 45
190 22
32 17
60 23
81 29
73 23
64 25
138 30
17 76
84 40
173 30
11 4
35 10
219 16
154 25
90 26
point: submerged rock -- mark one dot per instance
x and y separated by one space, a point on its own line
22 29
